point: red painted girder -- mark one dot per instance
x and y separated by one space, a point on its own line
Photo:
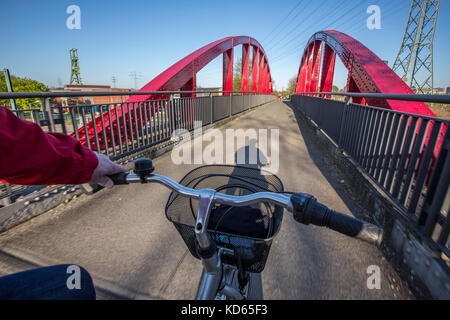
301 76
255 69
261 71
369 72
227 74
245 67
366 73
174 77
352 87
265 78
328 65
178 76
316 59
308 70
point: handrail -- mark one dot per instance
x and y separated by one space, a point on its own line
434 98
46 94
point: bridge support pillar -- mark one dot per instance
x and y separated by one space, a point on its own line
315 66
228 71
329 62
191 85
245 67
304 75
352 87
309 63
265 78
262 59
301 77
255 69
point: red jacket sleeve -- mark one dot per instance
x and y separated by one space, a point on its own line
30 156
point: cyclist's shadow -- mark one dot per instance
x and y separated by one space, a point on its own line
246 178
249 161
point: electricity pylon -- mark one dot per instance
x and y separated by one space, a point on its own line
135 76
414 62
75 76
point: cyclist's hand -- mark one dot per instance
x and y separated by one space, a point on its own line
104 168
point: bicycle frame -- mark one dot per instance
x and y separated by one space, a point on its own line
213 267
305 208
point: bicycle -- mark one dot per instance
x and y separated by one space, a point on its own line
233 257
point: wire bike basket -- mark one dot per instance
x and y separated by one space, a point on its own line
248 231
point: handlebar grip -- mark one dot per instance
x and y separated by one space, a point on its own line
119 178
308 211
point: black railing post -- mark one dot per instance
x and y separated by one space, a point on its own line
211 104
48 113
343 119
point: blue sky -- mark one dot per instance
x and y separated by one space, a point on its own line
118 37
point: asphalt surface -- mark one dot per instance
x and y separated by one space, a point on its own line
123 239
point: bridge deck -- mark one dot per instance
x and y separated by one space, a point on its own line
123 238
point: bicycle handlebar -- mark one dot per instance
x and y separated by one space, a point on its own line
305 208
119 178
308 211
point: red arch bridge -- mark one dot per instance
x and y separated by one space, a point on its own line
395 141
366 74
405 132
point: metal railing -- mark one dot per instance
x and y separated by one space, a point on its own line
122 129
406 155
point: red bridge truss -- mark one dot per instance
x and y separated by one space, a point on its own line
182 76
366 73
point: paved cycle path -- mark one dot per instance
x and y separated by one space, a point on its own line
123 238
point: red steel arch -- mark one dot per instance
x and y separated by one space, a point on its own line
182 76
366 72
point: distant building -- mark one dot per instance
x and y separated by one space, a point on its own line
447 91
429 91
207 93
66 101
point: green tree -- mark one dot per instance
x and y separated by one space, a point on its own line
237 75
21 85
292 83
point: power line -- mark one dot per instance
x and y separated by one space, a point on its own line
292 49
284 20
296 27
292 41
392 9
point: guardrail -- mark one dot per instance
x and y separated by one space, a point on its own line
148 123
406 155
